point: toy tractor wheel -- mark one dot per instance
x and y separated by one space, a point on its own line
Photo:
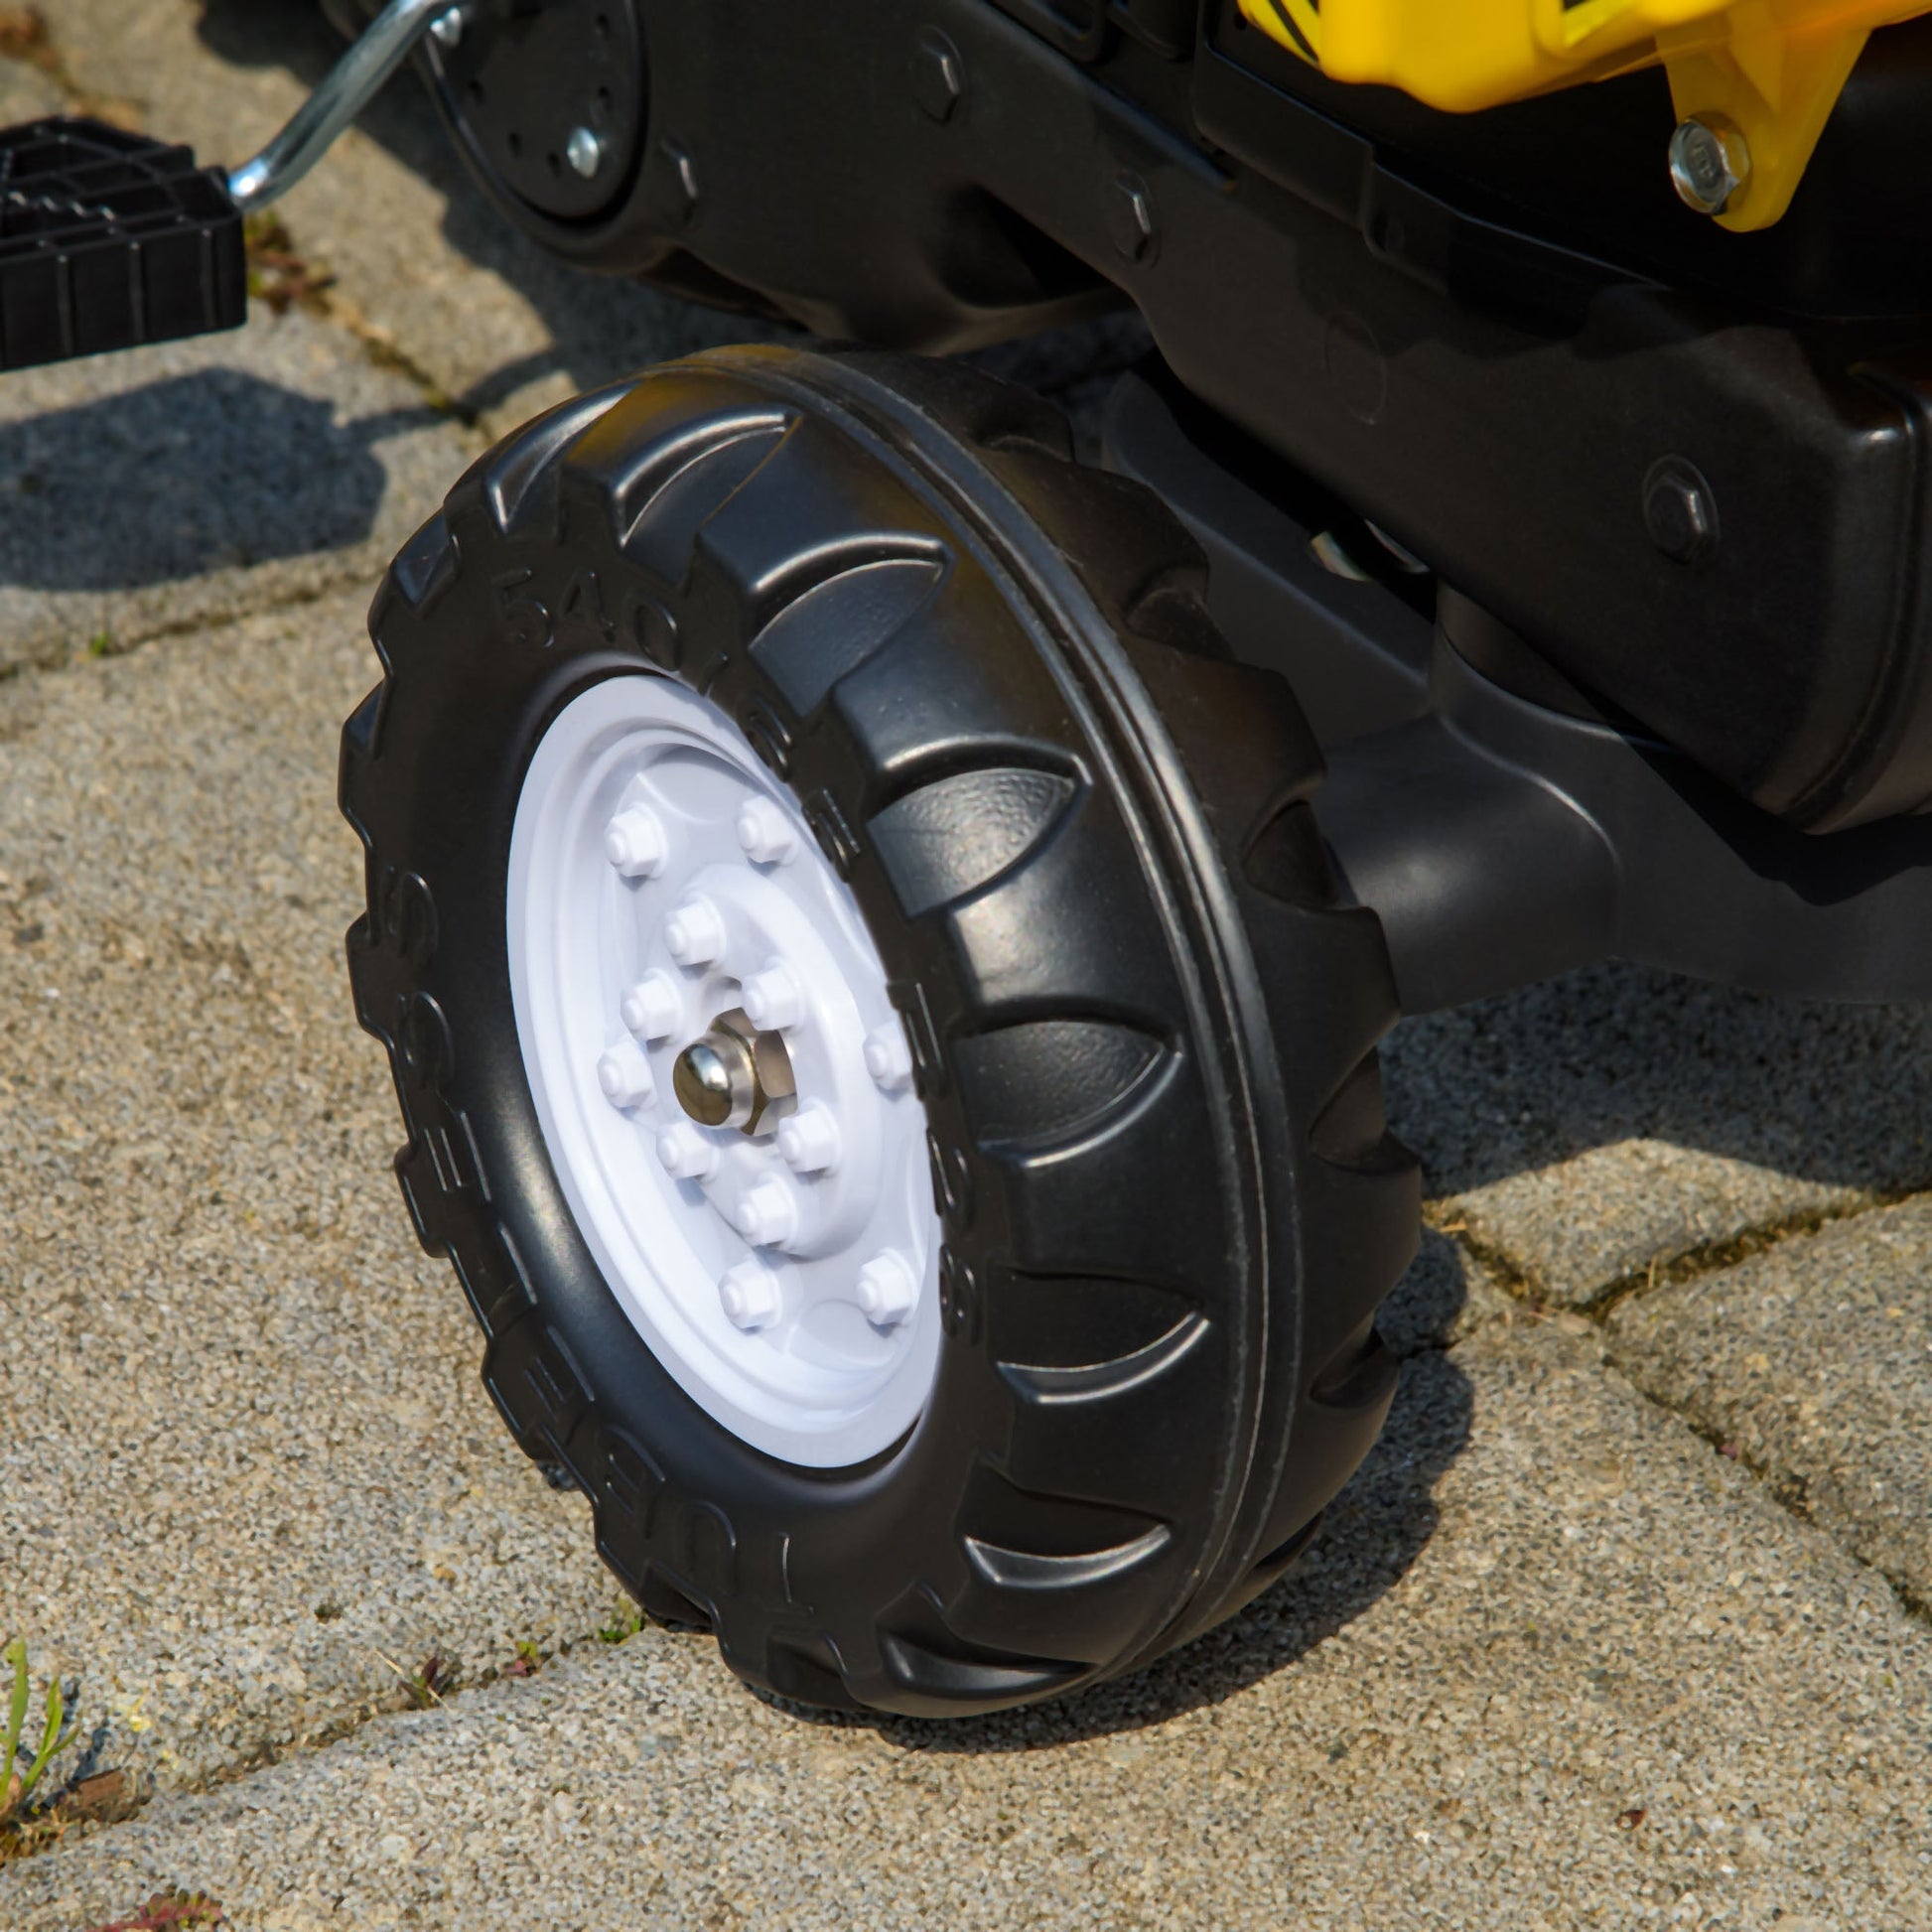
876 1031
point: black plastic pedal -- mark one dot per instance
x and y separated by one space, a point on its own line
109 240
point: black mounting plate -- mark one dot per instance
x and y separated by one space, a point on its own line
109 240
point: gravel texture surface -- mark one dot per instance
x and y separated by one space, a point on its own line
1616 1119
1813 1364
1557 1665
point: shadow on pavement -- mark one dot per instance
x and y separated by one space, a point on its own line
213 469
1615 1052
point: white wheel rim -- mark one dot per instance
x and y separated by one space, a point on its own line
628 822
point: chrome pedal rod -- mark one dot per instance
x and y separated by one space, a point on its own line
355 81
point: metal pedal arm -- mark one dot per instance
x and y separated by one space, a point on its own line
356 79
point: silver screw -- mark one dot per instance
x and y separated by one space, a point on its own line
447 28
1708 165
585 150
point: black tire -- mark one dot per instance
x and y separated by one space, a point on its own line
1143 1024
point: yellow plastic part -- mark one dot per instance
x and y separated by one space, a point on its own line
1770 70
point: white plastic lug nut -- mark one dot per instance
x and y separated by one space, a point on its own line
686 1153
694 935
809 1140
889 1291
887 1057
751 1295
624 1074
773 1000
635 841
765 833
653 1006
768 1216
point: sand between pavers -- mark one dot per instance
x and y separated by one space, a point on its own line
1814 1365
1556 1665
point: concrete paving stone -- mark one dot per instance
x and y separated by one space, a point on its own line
1556 1665
247 1460
1813 1363
27 93
186 484
244 1455
1590 1128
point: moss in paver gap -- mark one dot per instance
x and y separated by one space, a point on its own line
1812 1364
1580 1132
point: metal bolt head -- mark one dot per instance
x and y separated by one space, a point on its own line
1709 164
714 1081
733 1075
1131 219
938 76
1679 511
585 150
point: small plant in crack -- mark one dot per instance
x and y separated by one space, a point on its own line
527 1661
172 1911
429 1684
279 274
23 1766
623 1627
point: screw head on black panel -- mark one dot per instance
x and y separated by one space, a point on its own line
1679 511
938 76
1131 219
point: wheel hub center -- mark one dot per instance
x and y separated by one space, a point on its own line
735 1076
723 1080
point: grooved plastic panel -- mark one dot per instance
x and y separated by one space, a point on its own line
108 240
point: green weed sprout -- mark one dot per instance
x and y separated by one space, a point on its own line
15 1786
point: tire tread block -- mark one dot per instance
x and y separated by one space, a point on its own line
953 836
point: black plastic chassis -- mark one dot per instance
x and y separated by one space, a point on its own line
1712 519
1502 839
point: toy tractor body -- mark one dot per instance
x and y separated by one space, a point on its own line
882 929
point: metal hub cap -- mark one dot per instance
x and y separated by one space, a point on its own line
723 1083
